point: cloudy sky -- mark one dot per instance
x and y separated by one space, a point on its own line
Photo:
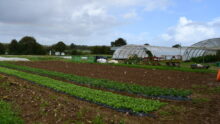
98 22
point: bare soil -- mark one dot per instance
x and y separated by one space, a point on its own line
145 77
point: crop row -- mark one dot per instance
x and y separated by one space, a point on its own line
107 84
7 115
115 101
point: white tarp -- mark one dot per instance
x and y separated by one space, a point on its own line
66 57
13 59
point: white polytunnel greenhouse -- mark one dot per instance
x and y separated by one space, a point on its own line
202 48
140 50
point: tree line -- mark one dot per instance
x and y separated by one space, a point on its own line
29 46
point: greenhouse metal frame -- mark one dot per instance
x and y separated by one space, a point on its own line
202 48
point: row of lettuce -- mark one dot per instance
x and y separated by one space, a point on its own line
106 84
135 105
7 115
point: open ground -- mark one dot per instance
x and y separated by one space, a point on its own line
36 104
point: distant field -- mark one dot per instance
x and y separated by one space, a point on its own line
185 66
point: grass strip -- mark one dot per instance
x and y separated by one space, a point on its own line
107 84
136 105
183 69
7 116
162 67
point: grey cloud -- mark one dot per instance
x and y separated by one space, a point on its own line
68 20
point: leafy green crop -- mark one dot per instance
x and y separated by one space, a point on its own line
107 84
96 96
7 116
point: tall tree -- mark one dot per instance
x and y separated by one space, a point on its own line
29 46
72 46
176 46
112 44
147 44
2 48
13 47
60 47
119 42
101 50
218 55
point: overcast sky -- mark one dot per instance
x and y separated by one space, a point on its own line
98 22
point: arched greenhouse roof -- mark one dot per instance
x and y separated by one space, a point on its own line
202 48
125 51
206 47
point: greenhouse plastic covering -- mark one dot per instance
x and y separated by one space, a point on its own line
140 50
202 48
13 59
206 47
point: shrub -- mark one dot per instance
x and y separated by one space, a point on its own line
133 59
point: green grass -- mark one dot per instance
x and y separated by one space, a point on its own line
200 100
194 86
215 89
78 59
4 85
107 84
7 115
185 67
172 110
165 113
95 96
98 120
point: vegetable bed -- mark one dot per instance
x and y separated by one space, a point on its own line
108 99
7 115
107 84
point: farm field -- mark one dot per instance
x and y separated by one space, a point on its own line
109 62
145 77
107 84
38 104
